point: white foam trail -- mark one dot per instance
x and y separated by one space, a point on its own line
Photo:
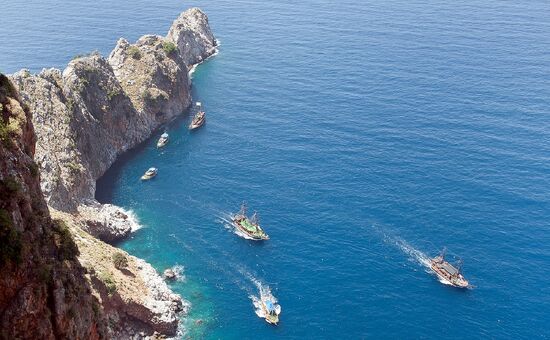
264 292
413 253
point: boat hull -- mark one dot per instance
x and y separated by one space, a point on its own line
272 319
162 143
458 282
236 221
196 125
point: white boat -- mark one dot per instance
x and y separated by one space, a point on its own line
198 119
150 173
163 140
267 307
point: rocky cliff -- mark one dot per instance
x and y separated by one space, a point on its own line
43 292
97 108
84 117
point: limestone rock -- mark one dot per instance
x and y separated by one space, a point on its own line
135 299
96 109
169 274
43 291
154 78
191 33
84 117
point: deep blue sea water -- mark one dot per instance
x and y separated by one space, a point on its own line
368 135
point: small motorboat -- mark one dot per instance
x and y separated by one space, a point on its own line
163 140
270 310
152 172
198 119
447 273
250 227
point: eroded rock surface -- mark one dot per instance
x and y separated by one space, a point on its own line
84 117
43 290
97 108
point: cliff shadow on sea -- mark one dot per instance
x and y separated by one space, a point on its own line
106 183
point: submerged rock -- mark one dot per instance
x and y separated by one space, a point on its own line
169 274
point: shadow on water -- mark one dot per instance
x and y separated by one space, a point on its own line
105 185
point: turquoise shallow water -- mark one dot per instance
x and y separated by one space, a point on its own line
368 136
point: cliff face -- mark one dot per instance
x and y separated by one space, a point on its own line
98 108
84 117
134 299
43 292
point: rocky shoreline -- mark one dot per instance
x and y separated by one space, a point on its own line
87 115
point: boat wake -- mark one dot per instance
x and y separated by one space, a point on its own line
413 253
265 293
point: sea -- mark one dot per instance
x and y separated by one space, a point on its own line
368 135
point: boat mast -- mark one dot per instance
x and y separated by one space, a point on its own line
443 253
459 265
243 209
255 219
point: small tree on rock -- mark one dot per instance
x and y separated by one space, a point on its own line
120 261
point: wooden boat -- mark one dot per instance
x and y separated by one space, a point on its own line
152 172
249 227
163 140
448 273
270 309
198 119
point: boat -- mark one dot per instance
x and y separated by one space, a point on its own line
448 273
249 226
152 172
163 140
270 309
198 119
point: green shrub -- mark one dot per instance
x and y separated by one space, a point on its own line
134 52
120 261
66 246
168 47
10 239
6 87
74 167
9 186
70 104
96 308
112 93
110 284
33 168
146 95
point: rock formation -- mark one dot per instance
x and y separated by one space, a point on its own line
134 298
43 292
98 108
84 117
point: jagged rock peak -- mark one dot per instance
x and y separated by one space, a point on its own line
193 37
